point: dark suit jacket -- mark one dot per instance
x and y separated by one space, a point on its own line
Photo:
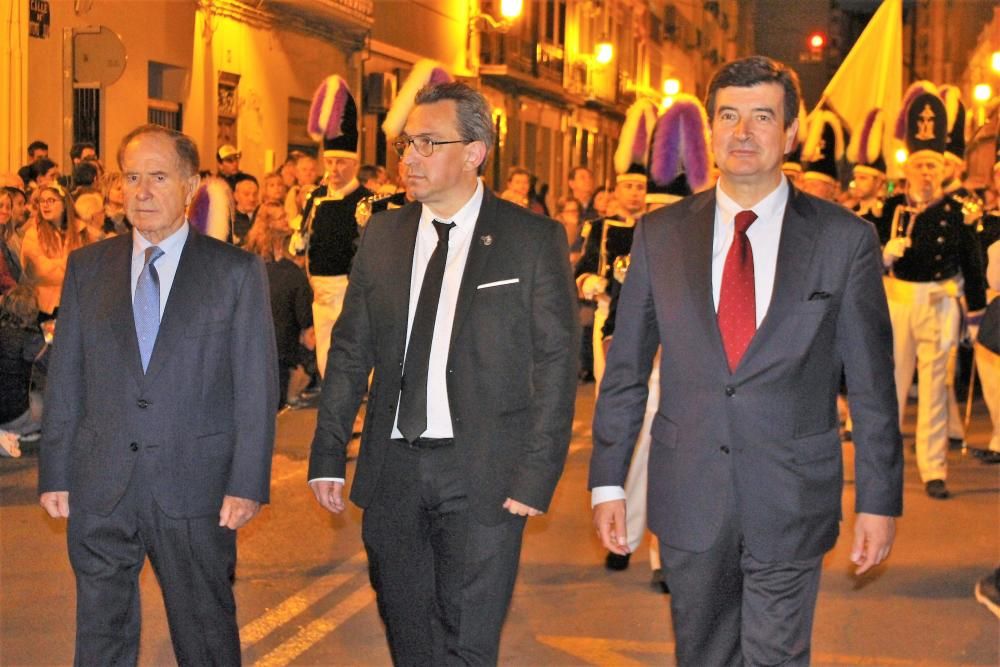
511 365
765 437
205 407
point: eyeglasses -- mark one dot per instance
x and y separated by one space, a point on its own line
423 145
49 201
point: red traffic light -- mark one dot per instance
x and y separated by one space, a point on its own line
817 40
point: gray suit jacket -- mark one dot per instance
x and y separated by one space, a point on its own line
205 407
764 438
511 366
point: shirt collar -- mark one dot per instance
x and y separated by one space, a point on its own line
346 190
170 245
465 218
767 208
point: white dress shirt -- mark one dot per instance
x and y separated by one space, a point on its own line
459 242
166 265
764 235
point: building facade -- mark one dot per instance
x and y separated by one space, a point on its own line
243 72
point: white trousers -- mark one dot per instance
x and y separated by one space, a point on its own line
600 317
328 301
638 476
988 369
925 320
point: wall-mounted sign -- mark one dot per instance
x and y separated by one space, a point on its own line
38 18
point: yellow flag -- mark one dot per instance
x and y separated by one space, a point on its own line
871 76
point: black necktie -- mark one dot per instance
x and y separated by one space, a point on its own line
412 420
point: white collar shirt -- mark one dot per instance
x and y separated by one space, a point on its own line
459 242
166 265
764 235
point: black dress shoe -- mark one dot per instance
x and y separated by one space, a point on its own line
659 583
615 562
987 456
936 489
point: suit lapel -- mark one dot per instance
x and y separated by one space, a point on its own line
699 234
119 302
185 298
401 264
479 253
795 249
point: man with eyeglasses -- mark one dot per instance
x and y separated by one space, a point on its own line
464 307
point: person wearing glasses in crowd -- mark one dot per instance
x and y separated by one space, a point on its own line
48 240
463 306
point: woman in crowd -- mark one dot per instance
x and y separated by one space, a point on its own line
20 342
274 189
10 266
291 296
49 239
89 206
112 187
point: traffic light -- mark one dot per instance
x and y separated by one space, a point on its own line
815 47
817 41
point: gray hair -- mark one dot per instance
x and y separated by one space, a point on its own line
472 112
184 146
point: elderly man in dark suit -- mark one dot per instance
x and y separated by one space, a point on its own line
758 294
159 414
464 306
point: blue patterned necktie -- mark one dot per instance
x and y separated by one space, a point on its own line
146 305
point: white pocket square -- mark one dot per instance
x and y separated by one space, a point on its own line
509 281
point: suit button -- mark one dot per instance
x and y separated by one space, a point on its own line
142 403
940 240
134 446
724 449
944 223
730 391
451 371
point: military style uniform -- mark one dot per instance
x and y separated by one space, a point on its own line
923 288
609 239
332 234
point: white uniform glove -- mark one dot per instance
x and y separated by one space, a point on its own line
895 249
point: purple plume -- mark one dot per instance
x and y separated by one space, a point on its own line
336 113
680 145
641 141
198 210
314 128
439 76
864 154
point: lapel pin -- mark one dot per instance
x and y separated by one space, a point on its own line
486 240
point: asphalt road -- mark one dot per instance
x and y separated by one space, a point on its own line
304 599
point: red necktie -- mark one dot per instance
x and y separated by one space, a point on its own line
737 299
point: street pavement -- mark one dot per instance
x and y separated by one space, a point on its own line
303 595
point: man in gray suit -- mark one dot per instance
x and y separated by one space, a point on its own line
759 295
159 414
464 307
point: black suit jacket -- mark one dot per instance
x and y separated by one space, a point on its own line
205 406
511 366
765 437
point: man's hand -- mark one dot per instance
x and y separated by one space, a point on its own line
520 509
873 535
236 512
56 503
609 519
329 494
